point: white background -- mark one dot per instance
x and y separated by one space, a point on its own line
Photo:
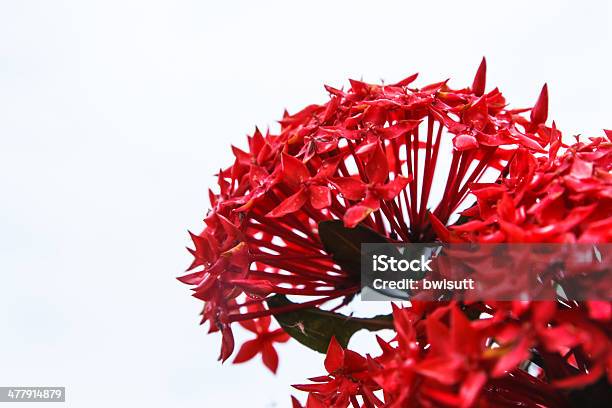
115 114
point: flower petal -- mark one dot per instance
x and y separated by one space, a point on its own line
248 350
351 188
320 196
390 190
480 80
269 356
334 358
290 204
294 171
465 142
539 113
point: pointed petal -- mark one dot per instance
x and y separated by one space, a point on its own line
294 171
539 113
248 350
442 231
390 190
193 278
399 129
227 342
320 196
270 356
471 387
377 167
256 287
314 401
328 168
480 80
289 205
295 403
351 188
356 214
334 357
406 81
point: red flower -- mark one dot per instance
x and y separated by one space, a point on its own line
263 343
297 176
377 189
371 156
351 158
347 378
565 198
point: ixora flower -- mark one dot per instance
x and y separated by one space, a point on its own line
288 216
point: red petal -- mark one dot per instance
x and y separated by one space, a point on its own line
441 231
600 310
279 336
581 168
354 361
315 402
465 142
399 129
295 403
509 361
526 140
439 337
366 149
294 171
256 287
377 167
539 113
320 196
227 343
356 214
328 168
250 325
351 188
390 190
471 387
290 204
270 356
248 350
193 278
441 368
323 387
334 357
406 81
480 80
462 334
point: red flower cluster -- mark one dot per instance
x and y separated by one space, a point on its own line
525 354
458 367
370 156
553 198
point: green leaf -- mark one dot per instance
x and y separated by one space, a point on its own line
344 244
314 328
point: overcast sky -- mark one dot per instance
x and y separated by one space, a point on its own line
115 114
